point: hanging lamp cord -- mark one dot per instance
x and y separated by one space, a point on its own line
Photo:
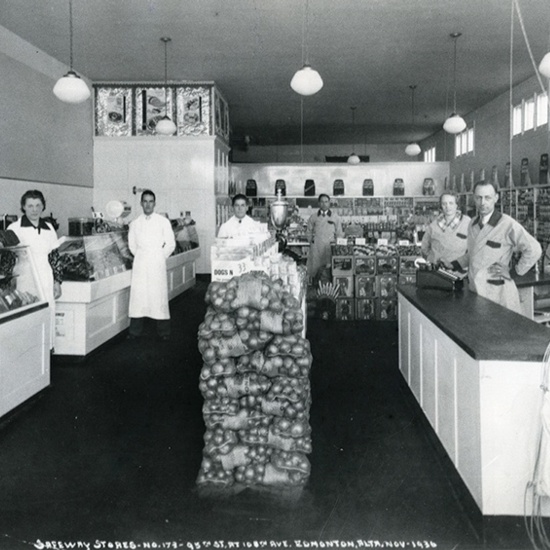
71 35
166 40
454 75
305 34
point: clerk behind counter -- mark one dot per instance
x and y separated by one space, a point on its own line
446 237
492 239
239 224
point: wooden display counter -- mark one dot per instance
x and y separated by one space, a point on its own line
25 358
475 369
90 313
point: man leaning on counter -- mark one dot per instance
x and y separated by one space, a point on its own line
493 238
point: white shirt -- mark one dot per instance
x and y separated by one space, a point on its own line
235 227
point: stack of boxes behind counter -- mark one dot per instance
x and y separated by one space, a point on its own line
367 276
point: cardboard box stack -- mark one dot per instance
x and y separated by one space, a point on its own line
367 276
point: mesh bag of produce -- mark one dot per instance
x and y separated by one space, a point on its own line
255 385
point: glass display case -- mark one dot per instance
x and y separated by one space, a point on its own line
19 288
95 257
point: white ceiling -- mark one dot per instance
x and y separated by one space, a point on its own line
367 51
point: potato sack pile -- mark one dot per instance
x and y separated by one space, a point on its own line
255 384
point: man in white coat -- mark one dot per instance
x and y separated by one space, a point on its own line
240 223
151 241
492 240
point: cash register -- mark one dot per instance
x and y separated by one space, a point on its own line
431 276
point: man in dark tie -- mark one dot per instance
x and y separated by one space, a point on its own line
493 238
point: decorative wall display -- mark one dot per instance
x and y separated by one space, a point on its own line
221 116
123 110
114 111
193 110
151 107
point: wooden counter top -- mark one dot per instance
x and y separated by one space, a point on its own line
484 330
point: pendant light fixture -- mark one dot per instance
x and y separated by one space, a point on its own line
165 126
306 81
412 149
544 66
353 158
455 123
71 88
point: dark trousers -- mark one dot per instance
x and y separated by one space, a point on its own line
136 326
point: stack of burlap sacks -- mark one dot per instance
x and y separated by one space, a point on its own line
255 384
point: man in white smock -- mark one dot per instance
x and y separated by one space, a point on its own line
323 228
151 241
239 224
492 240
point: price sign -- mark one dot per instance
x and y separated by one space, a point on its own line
382 242
341 240
404 242
360 240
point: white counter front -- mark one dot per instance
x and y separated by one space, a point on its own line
90 313
475 370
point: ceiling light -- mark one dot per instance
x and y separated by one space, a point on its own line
165 126
353 158
71 88
412 149
455 123
544 66
306 81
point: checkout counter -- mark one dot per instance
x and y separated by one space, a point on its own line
475 369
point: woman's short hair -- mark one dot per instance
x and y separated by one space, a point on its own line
32 194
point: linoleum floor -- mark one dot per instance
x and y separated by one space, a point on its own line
107 456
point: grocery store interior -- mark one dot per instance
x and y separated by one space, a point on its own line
349 408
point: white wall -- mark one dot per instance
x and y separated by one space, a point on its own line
383 175
316 153
41 138
183 172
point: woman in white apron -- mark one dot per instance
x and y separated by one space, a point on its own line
41 238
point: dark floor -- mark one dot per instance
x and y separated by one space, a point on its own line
110 452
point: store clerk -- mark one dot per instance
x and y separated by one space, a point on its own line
41 238
239 224
492 239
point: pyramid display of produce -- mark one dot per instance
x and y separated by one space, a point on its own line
255 384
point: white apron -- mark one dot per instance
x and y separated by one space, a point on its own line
322 231
40 245
151 240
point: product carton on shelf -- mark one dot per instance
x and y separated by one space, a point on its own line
345 286
365 286
345 309
386 286
387 264
342 265
365 309
386 309
364 265
407 265
407 279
